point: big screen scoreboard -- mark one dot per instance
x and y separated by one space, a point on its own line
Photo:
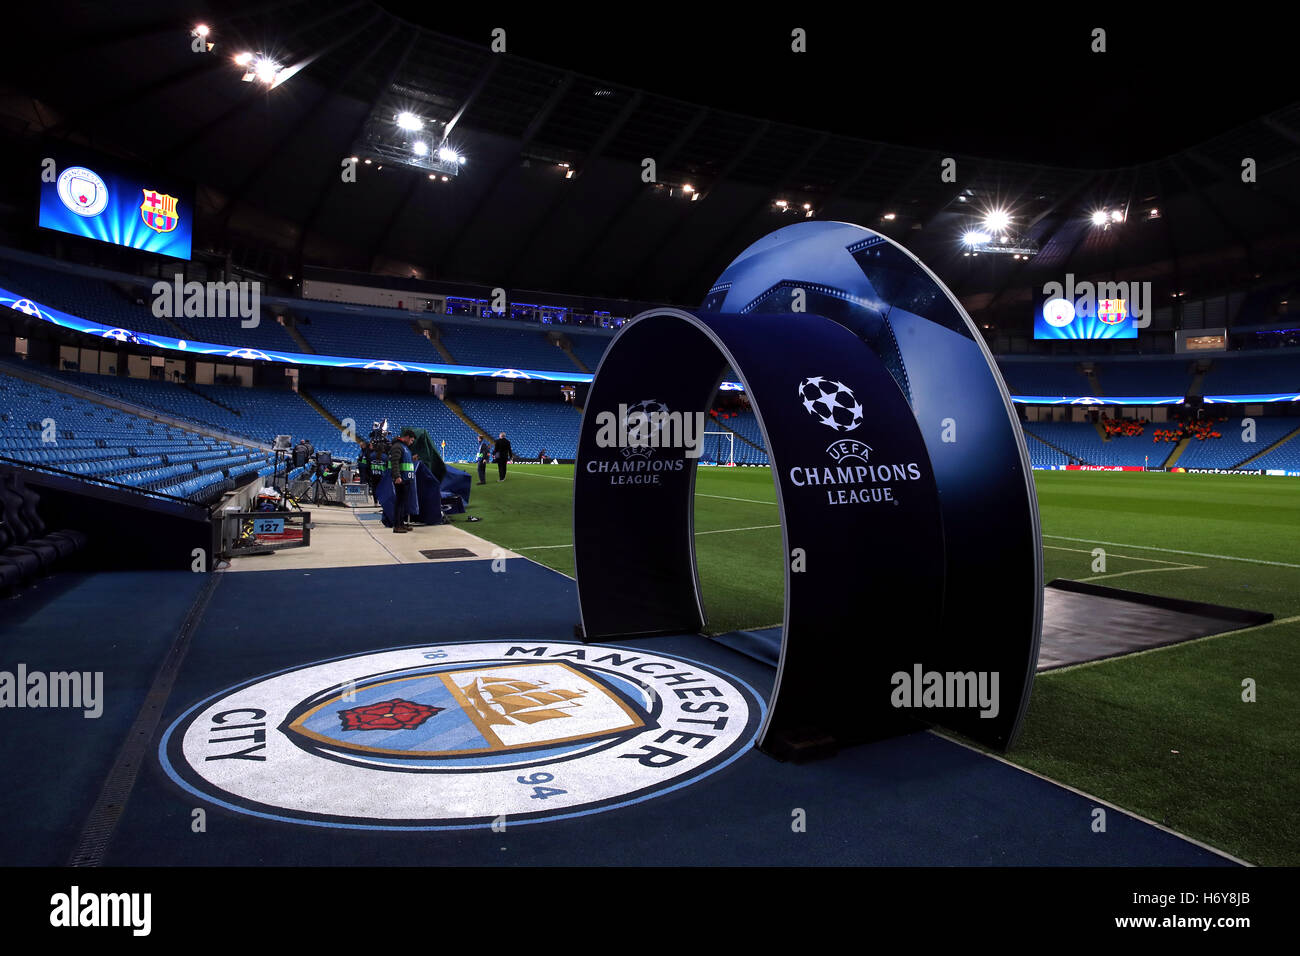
1069 315
90 195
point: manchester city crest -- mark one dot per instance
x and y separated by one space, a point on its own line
461 735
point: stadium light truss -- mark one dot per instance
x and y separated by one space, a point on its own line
1006 244
400 136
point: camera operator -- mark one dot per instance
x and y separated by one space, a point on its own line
379 449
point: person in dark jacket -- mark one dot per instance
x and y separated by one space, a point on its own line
378 465
484 456
363 463
502 451
402 465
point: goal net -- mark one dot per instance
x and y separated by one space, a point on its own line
720 448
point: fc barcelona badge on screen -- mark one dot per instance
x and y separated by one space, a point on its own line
159 211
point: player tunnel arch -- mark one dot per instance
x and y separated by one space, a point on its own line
866 576
909 517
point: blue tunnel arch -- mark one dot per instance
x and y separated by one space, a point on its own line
957 589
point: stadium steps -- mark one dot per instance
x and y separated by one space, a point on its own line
437 344
1277 444
1074 458
208 398
567 346
1094 382
460 413
130 293
1177 452
303 344
1100 430
324 412
740 436
181 331
1198 380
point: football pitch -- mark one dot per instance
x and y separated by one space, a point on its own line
1165 733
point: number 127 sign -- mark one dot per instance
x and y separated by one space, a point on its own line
268 526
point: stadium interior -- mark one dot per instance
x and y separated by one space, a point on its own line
416 230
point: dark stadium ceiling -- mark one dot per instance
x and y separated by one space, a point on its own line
857 133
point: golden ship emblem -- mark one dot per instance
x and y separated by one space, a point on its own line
507 701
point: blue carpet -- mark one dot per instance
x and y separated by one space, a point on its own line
916 800
763 645
56 760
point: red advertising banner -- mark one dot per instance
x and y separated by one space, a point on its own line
1104 468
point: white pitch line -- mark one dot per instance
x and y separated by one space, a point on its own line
1120 574
1130 557
529 474
757 527
698 494
1195 554
752 501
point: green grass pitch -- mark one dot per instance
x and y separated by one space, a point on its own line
1166 733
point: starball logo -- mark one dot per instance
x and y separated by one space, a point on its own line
637 432
853 479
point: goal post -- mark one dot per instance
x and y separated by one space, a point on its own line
723 454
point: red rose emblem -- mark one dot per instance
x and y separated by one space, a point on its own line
396 714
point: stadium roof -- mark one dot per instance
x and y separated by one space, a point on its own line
268 161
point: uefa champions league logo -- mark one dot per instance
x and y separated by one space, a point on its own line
831 403
25 306
648 413
82 191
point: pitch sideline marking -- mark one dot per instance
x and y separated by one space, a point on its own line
1174 565
757 527
753 501
698 494
1120 574
1196 554
529 474
1130 557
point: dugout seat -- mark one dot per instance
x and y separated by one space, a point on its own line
68 542
25 532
